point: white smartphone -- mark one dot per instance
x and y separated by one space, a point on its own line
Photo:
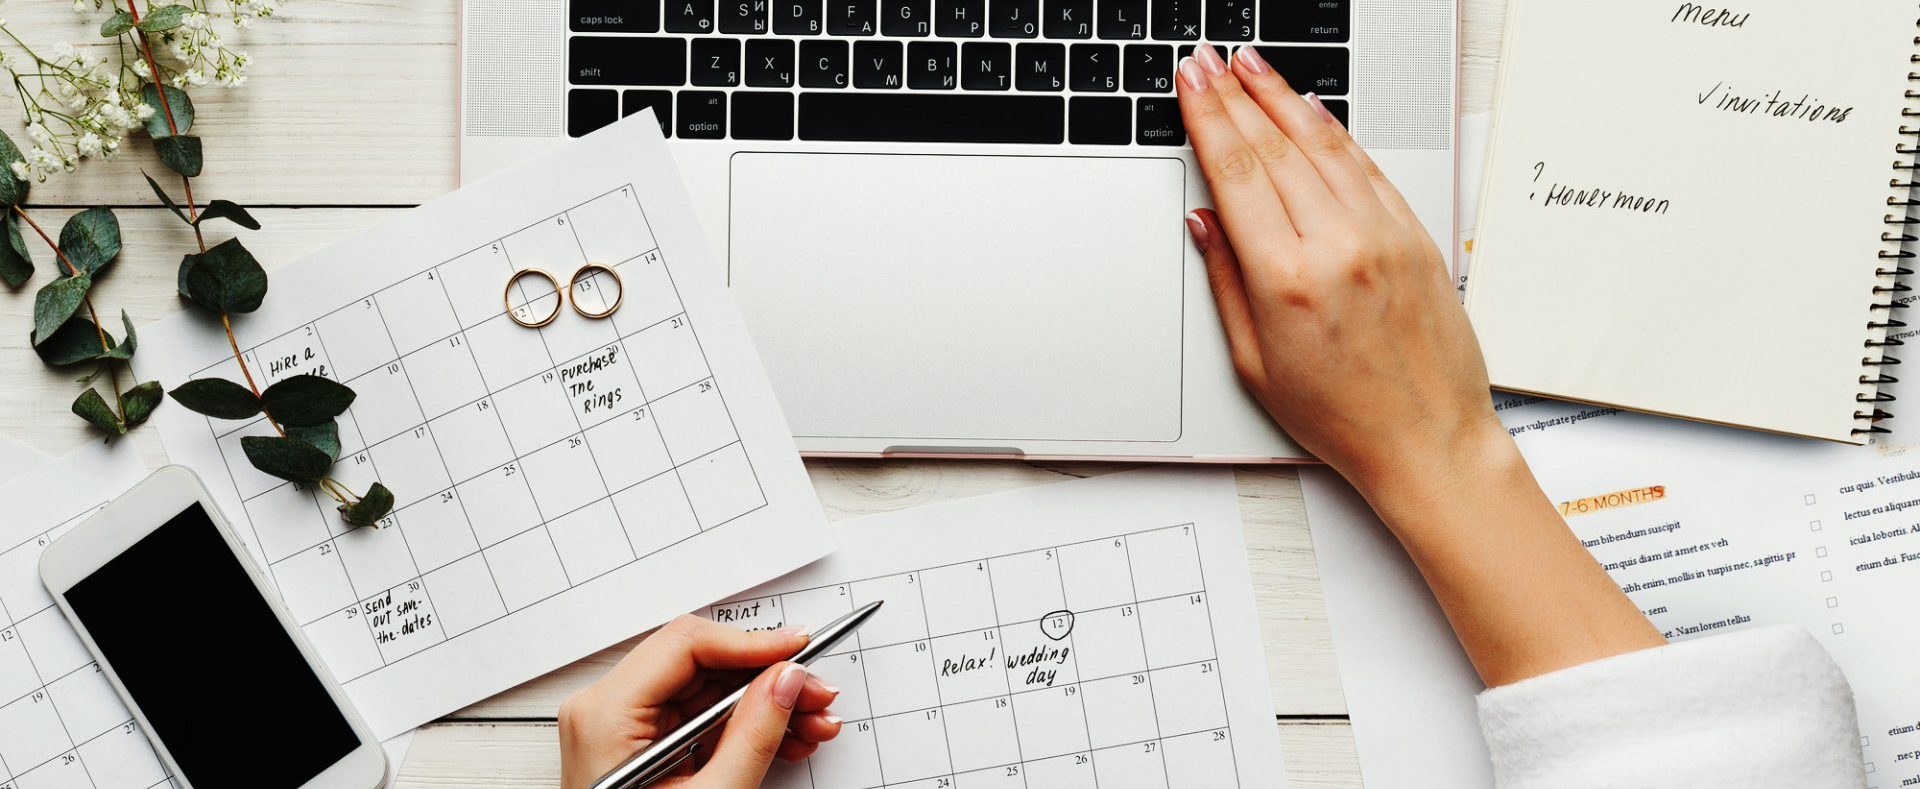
199 647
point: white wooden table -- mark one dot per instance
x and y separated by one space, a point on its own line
349 117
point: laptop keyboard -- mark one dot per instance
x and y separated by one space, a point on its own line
1086 72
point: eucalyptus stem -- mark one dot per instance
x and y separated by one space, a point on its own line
113 378
166 110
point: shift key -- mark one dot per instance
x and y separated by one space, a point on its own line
627 60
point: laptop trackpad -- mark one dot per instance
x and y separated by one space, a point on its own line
992 298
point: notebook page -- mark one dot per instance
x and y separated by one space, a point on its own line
1683 205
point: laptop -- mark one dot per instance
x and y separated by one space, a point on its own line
956 226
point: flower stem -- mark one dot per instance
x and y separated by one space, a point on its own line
113 378
166 110
227 324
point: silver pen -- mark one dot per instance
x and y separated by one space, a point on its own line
666 754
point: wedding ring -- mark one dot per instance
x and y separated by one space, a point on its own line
519 315
619 292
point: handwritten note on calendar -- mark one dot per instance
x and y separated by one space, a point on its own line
1095 633
558 489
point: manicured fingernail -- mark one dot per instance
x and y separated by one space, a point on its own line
833 719
1190 74
1320 107
1210 60
793 630
786 687
1250 57
1198 230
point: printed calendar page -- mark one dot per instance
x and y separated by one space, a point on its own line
1096 633
558 488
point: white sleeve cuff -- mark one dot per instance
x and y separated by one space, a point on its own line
1752 709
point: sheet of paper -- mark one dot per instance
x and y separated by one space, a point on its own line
17 458
1099 632
1707 529
558 489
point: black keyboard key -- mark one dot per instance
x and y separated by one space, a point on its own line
1016 18
614 16
1230 20
1157 121
906 18
796 17
876 64
716 62
932 65
986 66
1123 19
590 109
1069 19
823 64
769 63
1096 68
1338 107
1149 68
850 17
932 117
703 115
626 60
661 101
690 16
1176 20
1318 69
743 17
1100 120
1040 67
1317 21
960 18
762 116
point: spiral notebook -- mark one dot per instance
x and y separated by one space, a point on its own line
1700 212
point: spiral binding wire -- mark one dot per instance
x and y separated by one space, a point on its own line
1867 413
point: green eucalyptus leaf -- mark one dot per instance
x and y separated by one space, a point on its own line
117 24
325 437
370 508
13 190
290 459
93 408
225 278
138 403
125 349
56 302
166 17
76 341
165 199
306 400
180 154
16 265
230 211
91 239
177 103
217 397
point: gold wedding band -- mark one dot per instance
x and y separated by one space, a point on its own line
506 298
620 290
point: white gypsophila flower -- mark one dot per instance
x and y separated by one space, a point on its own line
89 144
140 69
197 20
62 51
143 111
20 170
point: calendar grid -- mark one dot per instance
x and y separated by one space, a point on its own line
1214 632
68 751
1018 765
448 426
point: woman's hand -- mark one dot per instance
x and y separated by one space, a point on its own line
681 670
1343 322
1338 307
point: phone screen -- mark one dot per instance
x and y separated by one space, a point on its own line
203 656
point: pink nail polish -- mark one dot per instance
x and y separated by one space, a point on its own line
1210 60
1198 230
786 687
793 630
1191 75
1320 107
1250 57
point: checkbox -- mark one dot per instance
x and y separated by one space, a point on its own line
1813 526
1826 575
1820 552
1809 499
1839 628
1833 602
